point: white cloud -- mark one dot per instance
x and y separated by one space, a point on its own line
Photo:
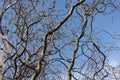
114 59
113 62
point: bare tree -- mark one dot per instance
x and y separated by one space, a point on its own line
52 39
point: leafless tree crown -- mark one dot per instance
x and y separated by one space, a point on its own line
53 40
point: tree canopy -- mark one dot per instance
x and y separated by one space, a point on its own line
56 40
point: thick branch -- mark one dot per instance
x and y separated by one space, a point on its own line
51 32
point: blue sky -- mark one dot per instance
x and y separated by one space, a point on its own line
111 24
